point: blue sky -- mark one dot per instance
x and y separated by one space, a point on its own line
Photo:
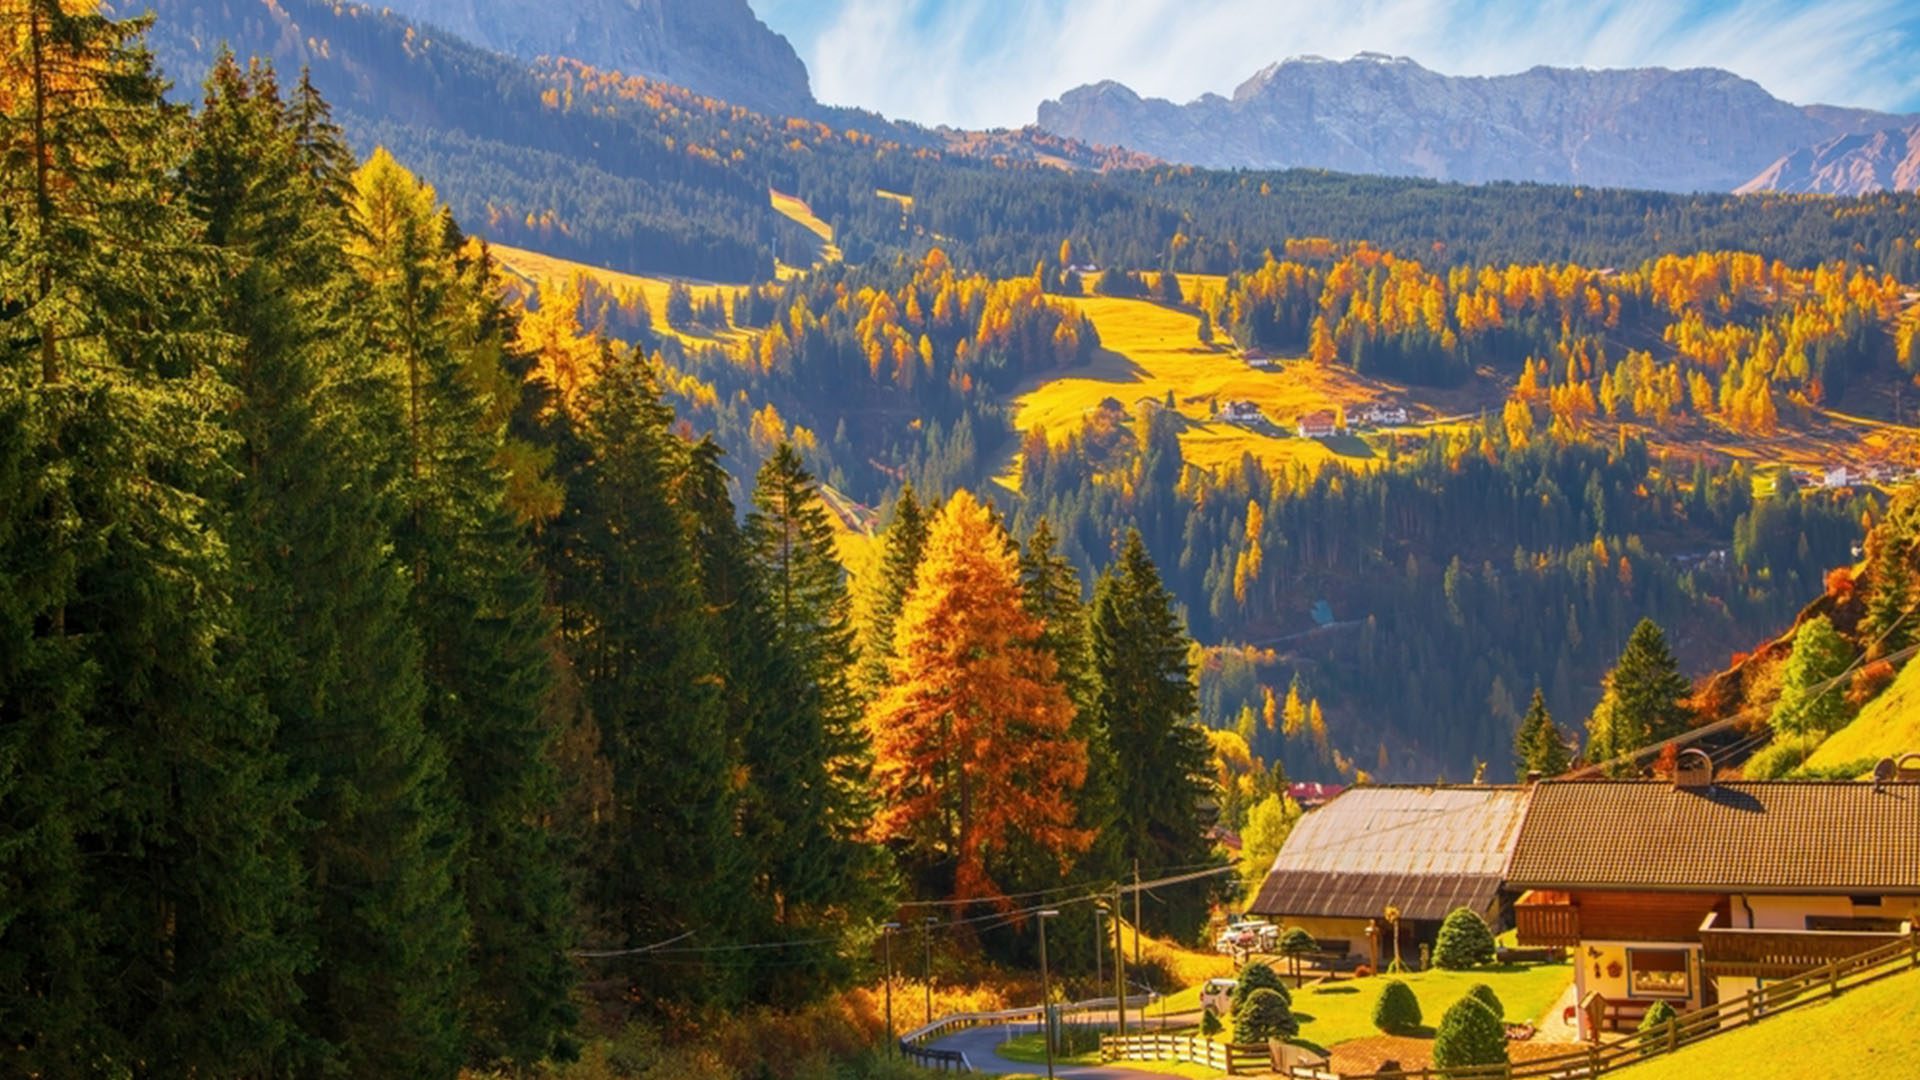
983 63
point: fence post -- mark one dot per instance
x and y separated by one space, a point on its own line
1673 1034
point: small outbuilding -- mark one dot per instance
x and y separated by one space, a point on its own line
1421 850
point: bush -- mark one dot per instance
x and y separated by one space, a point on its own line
1469 1035
1484 994
1258 977
1263 1016
1464 941
1782 756
1657 1017
1398 1011
1210 1024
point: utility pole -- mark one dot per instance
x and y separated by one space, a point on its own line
1046 992
1136 912
1119 965
1099 947
926 967
886 944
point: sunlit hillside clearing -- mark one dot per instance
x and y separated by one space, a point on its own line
793 208
1888 726
905 201
853 528
1151 350
535 268
1870 1031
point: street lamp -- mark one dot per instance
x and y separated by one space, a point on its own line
886 940
1046 991
926 968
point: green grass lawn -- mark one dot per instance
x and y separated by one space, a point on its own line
1333 1013
1871 1031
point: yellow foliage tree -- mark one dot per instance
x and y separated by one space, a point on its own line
972 750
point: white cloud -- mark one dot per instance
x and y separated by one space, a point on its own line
990 62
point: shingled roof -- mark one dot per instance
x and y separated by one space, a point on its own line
1783 837
1426 850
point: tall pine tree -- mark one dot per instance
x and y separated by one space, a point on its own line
902 543
1144 707
146 883
1539 745
667 861
809 762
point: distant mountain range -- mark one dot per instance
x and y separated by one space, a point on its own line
1885 160
713 47
1700 129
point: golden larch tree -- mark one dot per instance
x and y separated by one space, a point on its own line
971 746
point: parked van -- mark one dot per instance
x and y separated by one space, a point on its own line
1217 995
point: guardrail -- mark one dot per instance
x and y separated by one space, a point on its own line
1823 982
914 1043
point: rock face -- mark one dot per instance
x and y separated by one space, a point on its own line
1885 160
1700 129
714 47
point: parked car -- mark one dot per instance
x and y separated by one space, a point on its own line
1234 941
1217 995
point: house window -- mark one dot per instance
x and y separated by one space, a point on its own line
1658 973
1864 901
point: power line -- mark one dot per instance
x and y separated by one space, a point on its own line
666 952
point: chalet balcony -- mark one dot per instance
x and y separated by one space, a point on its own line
1778 954
1544 919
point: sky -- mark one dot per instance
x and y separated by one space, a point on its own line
989 63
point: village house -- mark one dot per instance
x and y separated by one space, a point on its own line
1309 795
1383 415
1322 424
1839 476
1422 850
1696 892
1240 412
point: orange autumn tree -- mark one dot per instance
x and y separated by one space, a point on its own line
971 746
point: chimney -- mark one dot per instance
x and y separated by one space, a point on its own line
1692 770
1534 776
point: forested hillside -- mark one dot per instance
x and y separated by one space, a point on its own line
378 703
639 175
409 666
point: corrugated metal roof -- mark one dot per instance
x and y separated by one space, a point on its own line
1757 836
1426 850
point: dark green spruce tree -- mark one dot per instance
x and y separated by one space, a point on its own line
808 763
146 882
1645 702
477 603
667 861
1539 745
903 542
1144 704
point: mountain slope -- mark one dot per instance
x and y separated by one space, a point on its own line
713 47
1853 164
1698 129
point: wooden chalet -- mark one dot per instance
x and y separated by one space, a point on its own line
1423 850
1694 892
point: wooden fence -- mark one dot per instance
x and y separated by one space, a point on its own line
1191 1049
1686 1029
